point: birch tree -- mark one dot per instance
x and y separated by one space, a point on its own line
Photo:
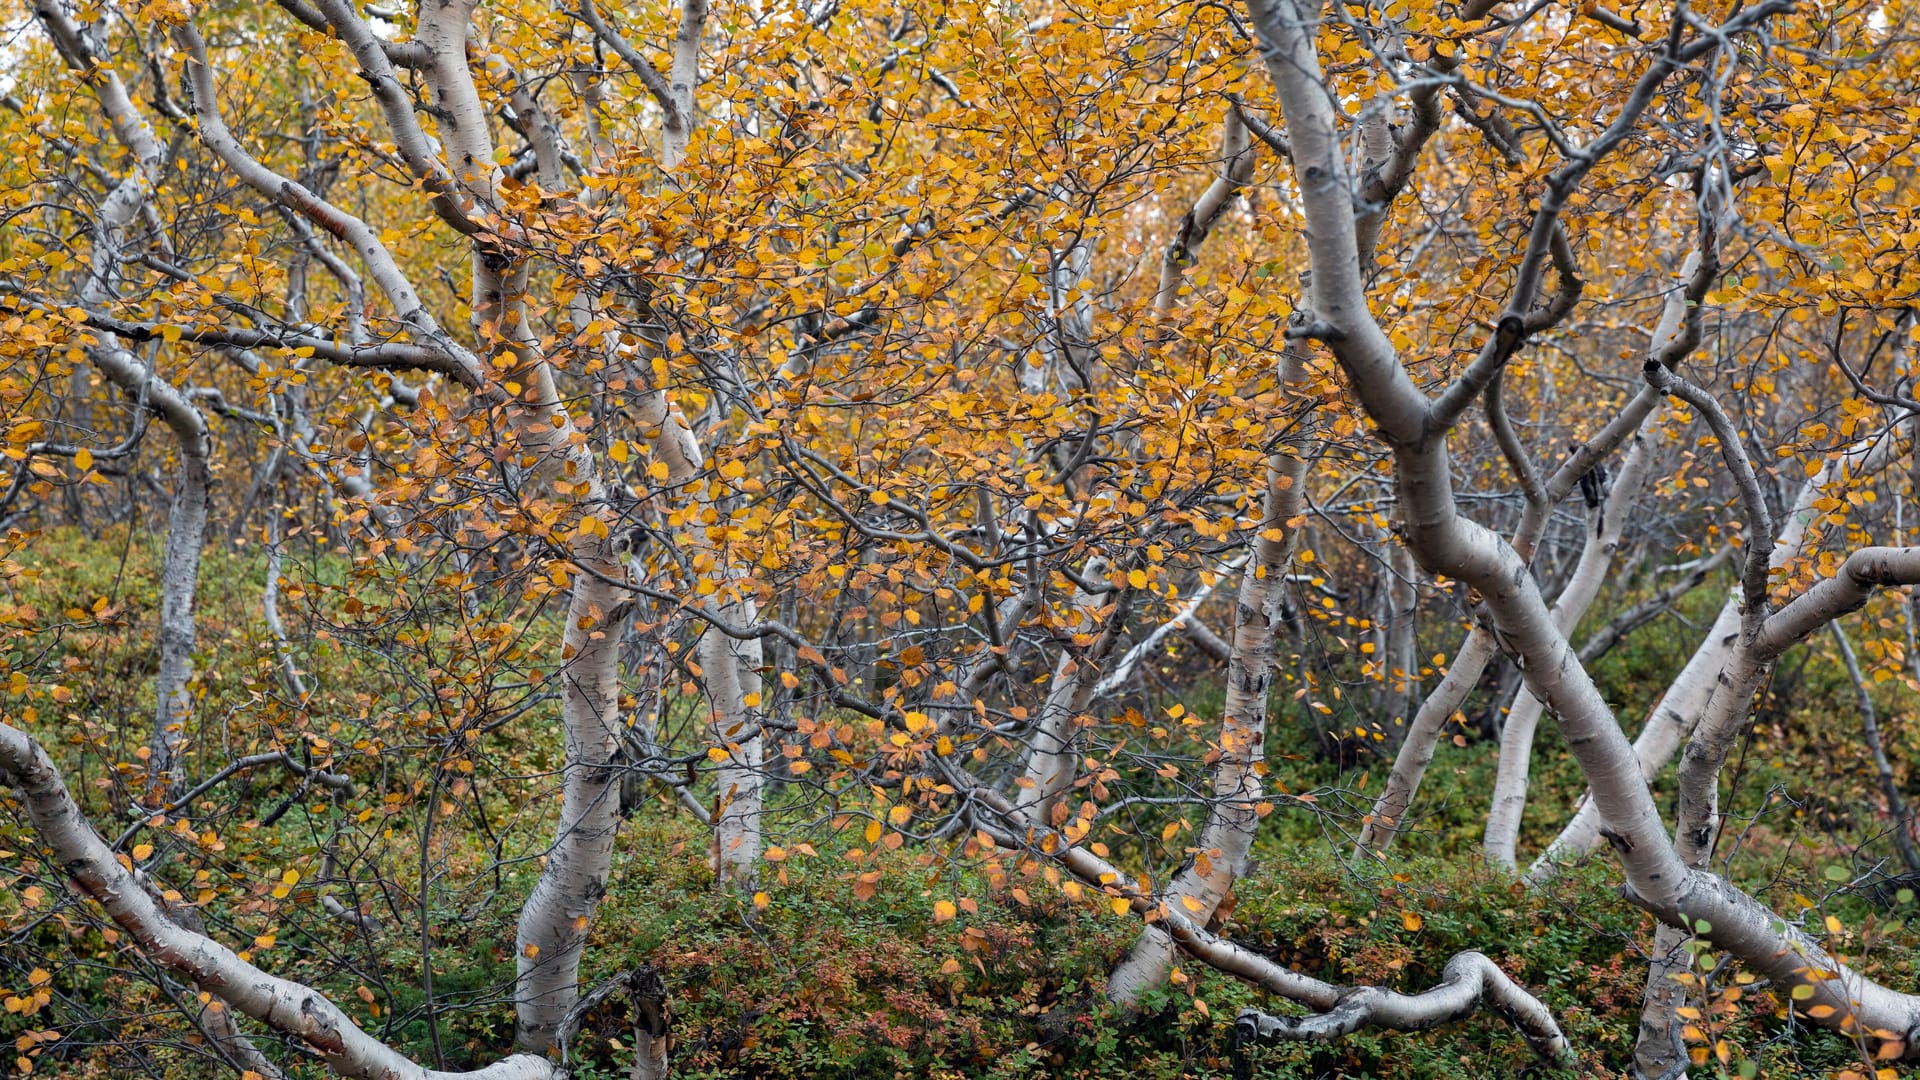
999 448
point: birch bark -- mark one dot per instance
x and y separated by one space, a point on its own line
1658 877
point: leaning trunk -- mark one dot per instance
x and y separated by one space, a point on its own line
1053 760
1516 737
1221 854
1686 697
1660 877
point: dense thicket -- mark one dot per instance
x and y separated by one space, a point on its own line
853 537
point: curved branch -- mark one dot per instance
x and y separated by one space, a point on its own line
1236 169
1469 980
287 1007
1760 537
459 364
1469 977
1658 878
648 75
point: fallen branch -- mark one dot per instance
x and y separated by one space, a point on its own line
1469 977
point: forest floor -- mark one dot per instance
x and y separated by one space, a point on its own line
907 962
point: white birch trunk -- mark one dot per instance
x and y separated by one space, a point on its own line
187 517
1686 697
732 673
1221 852
1423 736
1596 562
179 581
682 80
1225 839
1468 980
1658 877
555 920
1052 758
1478 648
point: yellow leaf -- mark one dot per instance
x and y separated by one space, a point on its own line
83 459
1137 578
142 852
1411 920
944 910
1120 905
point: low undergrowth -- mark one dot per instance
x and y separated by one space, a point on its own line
855 958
